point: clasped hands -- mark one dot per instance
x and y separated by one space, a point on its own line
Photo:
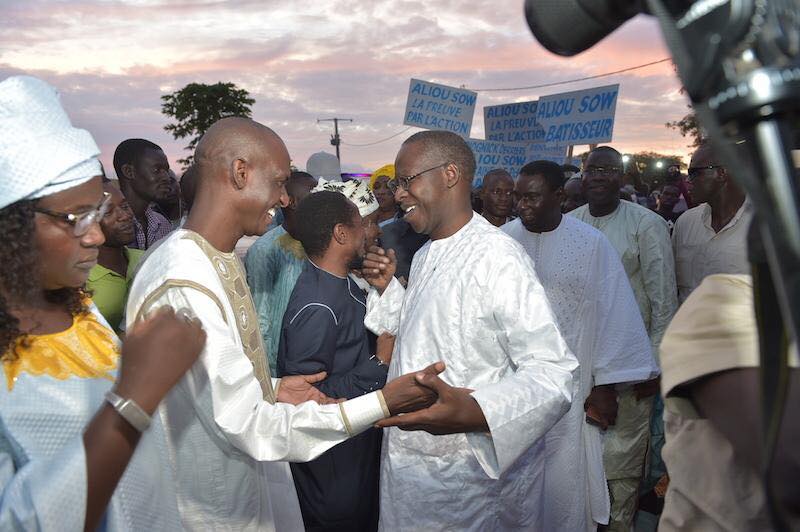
416 401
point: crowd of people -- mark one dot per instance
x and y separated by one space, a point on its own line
255 347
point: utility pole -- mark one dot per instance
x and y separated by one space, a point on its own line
335 140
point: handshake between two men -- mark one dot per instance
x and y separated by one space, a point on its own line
417 400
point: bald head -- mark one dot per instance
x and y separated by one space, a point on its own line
242 167
439 147
235 138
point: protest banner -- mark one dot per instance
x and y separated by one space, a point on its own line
513 122
546 152
578 117
434 106
490 154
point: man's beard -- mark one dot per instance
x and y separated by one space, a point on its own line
356 263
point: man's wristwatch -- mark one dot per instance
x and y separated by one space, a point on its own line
378 360
129 410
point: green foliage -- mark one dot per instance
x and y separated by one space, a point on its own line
197 106
688 126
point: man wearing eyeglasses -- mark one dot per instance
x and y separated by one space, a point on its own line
712 237
474 302
497 192
641 239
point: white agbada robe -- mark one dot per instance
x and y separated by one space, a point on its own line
597 313
228 446
474 302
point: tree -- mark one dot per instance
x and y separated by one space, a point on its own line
688 126
196 106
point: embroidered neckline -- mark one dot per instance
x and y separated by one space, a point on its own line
87 350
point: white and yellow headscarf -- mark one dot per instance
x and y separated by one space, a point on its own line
356 191
41 153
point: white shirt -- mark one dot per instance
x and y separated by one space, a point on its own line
700 251
641 239
43 474
597 313
227 445
474 302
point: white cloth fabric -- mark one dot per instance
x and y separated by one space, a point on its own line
710 487
43 480
324 165
355 190
474 302
641 239
41 153
597 313
700 251
224 440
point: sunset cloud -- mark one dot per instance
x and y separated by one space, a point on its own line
303 60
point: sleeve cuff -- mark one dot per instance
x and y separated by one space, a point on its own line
383 310
276 385
361 413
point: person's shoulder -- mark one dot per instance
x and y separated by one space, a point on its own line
579 213
714 330
153 214
688 218
175 255
264 244
513 227
645 218
493 247
309 298
134 256
576 225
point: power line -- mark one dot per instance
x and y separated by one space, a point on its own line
575 80
377 141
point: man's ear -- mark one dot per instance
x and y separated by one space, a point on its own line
560 195
127 171
723 176
239 173
452 174
340 233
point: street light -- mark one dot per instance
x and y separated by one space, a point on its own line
659 164
626 158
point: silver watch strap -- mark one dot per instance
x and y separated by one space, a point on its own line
130 411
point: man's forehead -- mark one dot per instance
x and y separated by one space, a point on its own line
497 179
154 154
529 182
605 157
412 157
702 157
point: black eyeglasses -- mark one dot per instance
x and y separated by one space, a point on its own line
405 181
81 222
605 171
695 171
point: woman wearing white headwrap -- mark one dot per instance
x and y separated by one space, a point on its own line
69 420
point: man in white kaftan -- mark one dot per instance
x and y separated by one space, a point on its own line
597 313
222 434
223 426
474 302
641 238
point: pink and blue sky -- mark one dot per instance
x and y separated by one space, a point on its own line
304 59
